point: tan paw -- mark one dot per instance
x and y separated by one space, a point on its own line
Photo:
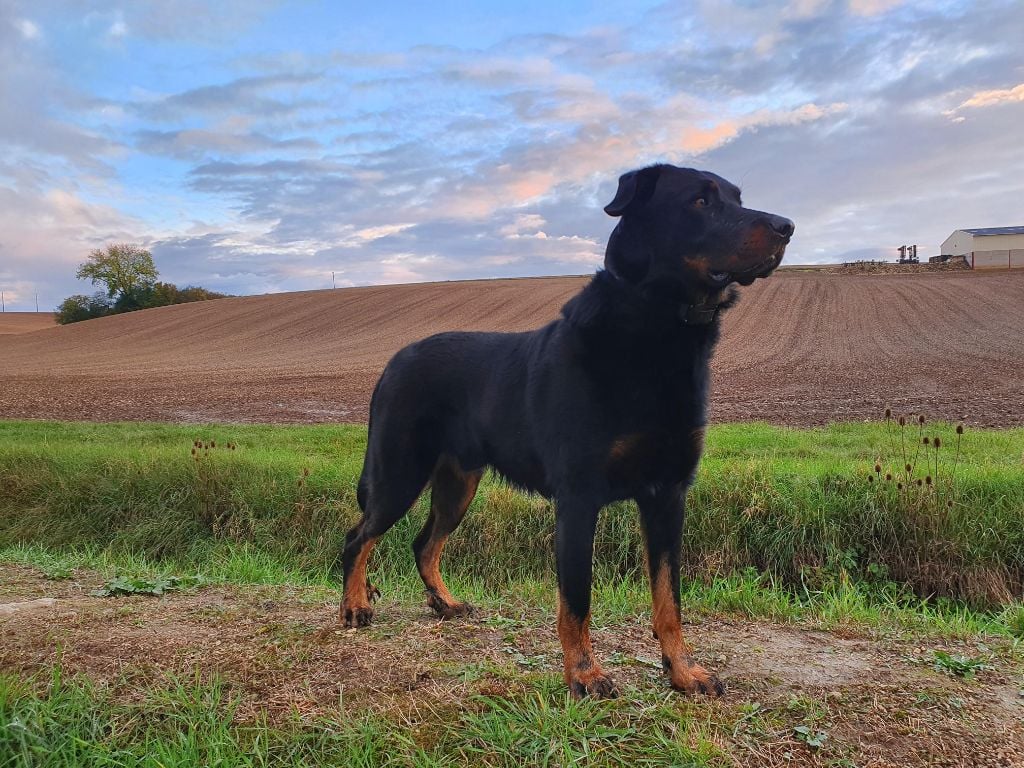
689 677
591 682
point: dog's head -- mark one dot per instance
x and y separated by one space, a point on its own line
686 225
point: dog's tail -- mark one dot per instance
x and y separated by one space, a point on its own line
361 491
362 487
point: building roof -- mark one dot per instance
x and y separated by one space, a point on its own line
984 231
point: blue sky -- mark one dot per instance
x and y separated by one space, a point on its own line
257 146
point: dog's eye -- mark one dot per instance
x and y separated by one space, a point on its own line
701 202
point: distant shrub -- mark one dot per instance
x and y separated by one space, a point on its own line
130 275
160 294
195 293
79 307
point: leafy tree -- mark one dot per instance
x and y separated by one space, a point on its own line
126 270
129 274
79 307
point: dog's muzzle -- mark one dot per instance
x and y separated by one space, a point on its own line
763 269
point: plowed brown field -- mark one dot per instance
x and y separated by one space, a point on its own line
801 348
25 322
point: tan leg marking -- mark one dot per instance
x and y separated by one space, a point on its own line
355 605
583 674
676 656
444 511
439 598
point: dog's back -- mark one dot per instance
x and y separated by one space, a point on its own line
459 395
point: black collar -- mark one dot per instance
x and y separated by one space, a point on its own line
702 313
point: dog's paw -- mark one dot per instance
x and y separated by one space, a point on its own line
690 677
449 610
593 683
360 616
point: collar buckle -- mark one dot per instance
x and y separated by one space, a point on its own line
698 314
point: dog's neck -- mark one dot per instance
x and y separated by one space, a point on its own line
625 307
702 310
692 305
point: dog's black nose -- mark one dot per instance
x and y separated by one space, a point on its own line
782 225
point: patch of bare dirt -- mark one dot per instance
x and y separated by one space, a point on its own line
281 650
803 347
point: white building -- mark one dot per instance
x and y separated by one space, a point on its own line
988 248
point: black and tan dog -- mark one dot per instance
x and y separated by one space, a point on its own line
606 403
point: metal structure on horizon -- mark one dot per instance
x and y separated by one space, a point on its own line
908 255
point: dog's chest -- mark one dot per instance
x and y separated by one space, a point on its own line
638 459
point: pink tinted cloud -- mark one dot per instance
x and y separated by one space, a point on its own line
677 131
872 7
994 97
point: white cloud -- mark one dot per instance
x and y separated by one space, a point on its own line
27 28
523 222
118 28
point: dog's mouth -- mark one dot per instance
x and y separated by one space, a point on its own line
763 269
747 276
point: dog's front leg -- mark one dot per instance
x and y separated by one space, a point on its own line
662 516
574 548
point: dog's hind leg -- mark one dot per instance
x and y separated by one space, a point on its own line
662 518
452 490
386 502
356 610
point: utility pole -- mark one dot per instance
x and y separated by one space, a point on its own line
333 284
37 301
3 307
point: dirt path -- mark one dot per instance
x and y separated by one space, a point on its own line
879 699
801 348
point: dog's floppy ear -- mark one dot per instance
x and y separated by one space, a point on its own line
635 188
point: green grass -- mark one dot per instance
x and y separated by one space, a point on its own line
782 524
72 723
792 503
191 723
